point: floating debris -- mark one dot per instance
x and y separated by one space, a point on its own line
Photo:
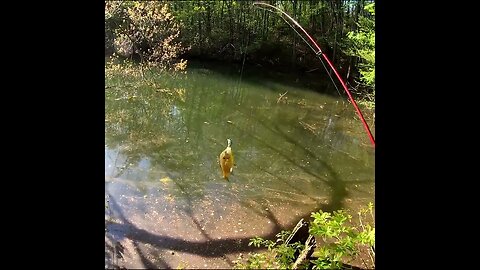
165 180
282 97
170 198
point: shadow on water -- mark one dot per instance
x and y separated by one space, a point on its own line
175 136
188 210
338 187
209 248
124 230
317 81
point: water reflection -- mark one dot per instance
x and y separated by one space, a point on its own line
294 155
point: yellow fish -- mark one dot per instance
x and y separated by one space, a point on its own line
226 160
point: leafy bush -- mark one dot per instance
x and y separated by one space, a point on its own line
363 46
338 242
280 254
144 29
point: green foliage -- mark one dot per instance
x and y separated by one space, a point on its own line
362 45
236 30
337 242
339 239
279 255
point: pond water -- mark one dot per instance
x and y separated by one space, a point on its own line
167 206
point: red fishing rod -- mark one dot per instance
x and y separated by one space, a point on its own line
318 52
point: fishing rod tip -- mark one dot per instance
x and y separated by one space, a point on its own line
259 3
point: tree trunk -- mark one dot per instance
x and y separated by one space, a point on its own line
294 43
209 18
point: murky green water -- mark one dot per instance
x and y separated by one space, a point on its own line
168 204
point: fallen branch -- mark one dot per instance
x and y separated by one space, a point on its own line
281 96
304 256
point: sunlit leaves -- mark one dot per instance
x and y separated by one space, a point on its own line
370 8
279 255
282 236
339 238
147 29
326 225
363 45
256 242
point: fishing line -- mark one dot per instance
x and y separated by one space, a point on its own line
319 53
244 56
